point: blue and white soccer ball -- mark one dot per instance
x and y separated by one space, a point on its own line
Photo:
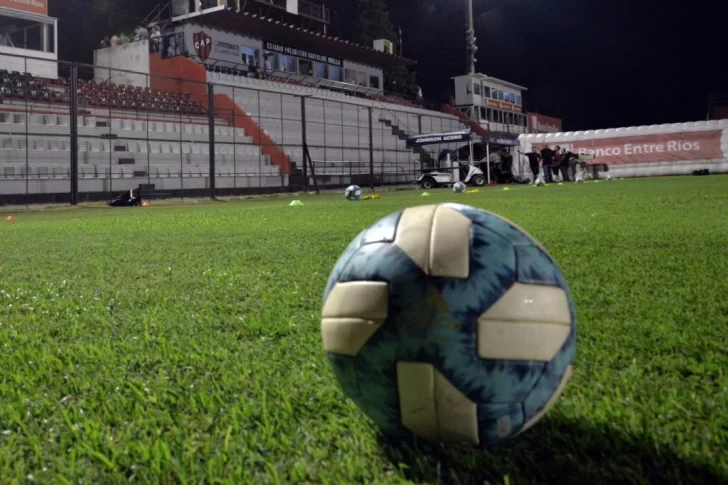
449 323
353 192
540 182
459 187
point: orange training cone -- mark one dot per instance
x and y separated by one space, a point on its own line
10 219
145 204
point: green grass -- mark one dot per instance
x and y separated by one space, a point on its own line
181 344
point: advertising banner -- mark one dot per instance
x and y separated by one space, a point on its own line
437 138
33 6
311 56
664 147
538 123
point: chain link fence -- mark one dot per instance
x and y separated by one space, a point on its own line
81 133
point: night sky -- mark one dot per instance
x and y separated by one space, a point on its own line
594 63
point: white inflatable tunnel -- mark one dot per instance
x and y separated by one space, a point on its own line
643 151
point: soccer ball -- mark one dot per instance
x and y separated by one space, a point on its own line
353 192
459 187
540 182
579 179
609 177
449 323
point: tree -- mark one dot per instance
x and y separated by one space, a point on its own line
372 23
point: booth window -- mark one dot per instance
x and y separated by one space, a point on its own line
476 89
336 73
305 67
27 34
486 91
362 79
270 61
249 54
350 76
321 70
374 82
288 64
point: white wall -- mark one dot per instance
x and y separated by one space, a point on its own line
39 68
127 57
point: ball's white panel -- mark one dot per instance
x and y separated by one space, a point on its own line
457 415
520 341
417 405
431 407
450 244
530 322
353 312
413 234
559 390
531 303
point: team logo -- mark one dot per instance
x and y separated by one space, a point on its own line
203 45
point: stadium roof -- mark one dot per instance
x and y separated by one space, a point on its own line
277 31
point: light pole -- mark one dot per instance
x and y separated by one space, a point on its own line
472 46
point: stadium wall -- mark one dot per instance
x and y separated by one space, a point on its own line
126 64
673 149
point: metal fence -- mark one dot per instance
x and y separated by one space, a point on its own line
89 133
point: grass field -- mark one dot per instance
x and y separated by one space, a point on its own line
181 344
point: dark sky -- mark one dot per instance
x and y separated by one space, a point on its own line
594 63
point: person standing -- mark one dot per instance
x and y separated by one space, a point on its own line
547 158
566 157
534 162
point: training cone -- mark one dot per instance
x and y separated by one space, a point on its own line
596 181
506 188
473 191
561 183
10 219
296 203
425 194
146 204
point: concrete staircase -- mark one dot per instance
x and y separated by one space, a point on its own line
425 157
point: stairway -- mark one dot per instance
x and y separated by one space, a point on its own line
425 157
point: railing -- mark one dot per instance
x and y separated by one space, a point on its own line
98 132
305 9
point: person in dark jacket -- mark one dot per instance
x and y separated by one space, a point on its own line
547 160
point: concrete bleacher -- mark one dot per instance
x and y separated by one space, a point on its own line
337 123
118 149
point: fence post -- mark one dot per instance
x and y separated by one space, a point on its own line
305 143
371 149
211 124
73 101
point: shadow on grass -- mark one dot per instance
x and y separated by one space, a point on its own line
555 451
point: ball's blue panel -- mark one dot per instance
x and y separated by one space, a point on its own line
490 422
384 230
537 267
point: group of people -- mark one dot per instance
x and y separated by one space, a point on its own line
140 33
554 161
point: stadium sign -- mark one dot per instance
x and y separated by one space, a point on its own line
686 146
434 139
311 56
33 6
